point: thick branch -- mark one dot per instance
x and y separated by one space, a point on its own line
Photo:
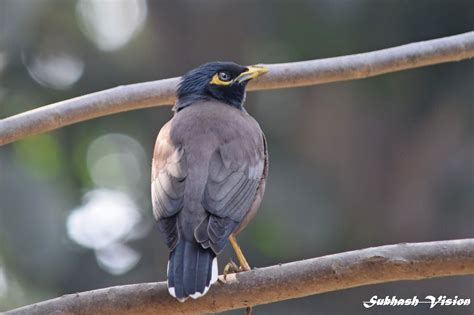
161 92
406 261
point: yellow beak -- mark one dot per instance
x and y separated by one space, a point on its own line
252 73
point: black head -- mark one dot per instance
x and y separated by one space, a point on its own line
222 81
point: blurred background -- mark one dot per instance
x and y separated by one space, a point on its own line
352 164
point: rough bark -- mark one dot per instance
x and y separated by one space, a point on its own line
162 92
406 261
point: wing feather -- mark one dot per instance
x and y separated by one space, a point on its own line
233 181
235 171
168 184
169 172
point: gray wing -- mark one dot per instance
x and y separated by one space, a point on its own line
232 183
235 171
169 172
168 184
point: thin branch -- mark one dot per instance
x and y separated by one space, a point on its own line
162 92
406 261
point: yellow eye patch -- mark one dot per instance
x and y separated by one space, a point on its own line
217 81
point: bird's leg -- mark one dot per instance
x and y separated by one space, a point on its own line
244 265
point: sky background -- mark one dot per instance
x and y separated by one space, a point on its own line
352 164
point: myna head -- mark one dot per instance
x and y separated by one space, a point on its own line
221 81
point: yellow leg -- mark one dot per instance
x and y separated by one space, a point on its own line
240 256
244 265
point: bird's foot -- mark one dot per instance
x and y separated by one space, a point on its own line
230 268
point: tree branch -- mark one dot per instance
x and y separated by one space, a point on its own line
406 261
162 92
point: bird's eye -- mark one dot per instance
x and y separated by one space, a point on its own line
224 76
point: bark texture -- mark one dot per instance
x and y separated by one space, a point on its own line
406 261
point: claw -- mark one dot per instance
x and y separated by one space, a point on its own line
231 267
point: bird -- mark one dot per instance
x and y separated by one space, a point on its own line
209 171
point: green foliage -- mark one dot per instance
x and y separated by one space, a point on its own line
41 155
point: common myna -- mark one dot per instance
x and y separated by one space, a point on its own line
209 170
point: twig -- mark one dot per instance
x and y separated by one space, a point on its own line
162 92
407 261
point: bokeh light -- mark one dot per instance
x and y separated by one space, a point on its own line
104 222
58 70
106 217
111 24
117 258
116 161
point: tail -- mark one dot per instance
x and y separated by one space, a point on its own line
192 269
